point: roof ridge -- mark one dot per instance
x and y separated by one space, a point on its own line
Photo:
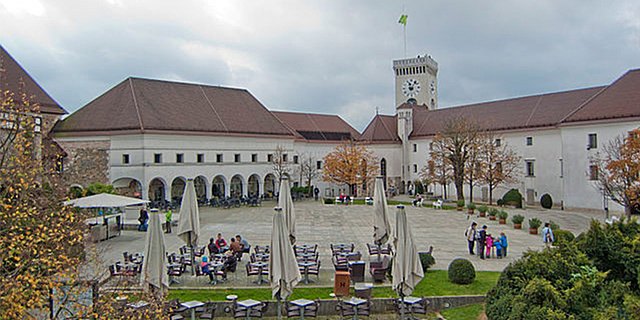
579 107
393 137
213 109
187 83
135 103
533 110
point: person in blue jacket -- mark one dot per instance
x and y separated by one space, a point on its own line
503 244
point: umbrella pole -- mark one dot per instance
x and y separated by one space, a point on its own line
379 248
278 309
402 306
193 272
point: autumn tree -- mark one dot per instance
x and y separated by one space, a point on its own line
454 143
279 163
473 166
437 171
500 164
619 170
350 163
307 170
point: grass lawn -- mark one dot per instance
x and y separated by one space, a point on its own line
470 312
435 283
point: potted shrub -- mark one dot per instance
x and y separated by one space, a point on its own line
502 217
493 212
534 224
460 205
483 210
517 221
471 207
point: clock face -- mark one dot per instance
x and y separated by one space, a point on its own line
411 87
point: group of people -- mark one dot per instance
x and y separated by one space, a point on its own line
237 245
485 242
143 218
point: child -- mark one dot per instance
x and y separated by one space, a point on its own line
489 245
498 246
205 269
503 243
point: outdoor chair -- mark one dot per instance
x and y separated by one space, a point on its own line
200 253
208 311
315 270
252 271
378 269
174 272
114 272
340 264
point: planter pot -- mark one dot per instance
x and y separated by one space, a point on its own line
517 225
502 221
533 230
493 218
483 214
470 211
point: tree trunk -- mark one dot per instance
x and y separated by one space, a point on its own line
627 211
490 193
458 174
471 188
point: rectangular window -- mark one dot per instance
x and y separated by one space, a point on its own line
285 157
254 157
529 141
561 168
157 158
125 159
295 159
415 147
200 158
415 168
219 158
236 157
593 172
179 157
529 170
318 164
270 157
593 141
499 167
37 127
498 142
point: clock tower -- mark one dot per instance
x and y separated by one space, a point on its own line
417 81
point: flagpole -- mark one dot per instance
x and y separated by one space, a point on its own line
404 28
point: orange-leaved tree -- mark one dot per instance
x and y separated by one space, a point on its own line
619 166
350 163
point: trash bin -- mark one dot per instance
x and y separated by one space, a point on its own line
341 284
363 290
357 270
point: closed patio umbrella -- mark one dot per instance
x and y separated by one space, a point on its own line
189 221
283 267
406 268
286 203
381 226
154 276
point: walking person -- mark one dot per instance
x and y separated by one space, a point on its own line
482 236
143 219
470 233
547 235
168 216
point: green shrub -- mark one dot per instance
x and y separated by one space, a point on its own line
535 223
483 208
329 201
419 187
460 203
98 188
517 219
500 202
554 226
563 236
546 201
461 271
513 198
471 206
427 260
503 214
493 212
75 192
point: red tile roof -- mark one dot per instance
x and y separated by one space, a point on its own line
11 77
382 128
143 105
621 99
313 126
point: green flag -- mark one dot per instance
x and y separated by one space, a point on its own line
403 19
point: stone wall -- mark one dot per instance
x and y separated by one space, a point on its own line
86 162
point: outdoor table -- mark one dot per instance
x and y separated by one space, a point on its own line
301 304
262 256
260 265
409 301
306 265
355 302
342 247
306 255
213 268
192 305
219 256
138 305
305 247
130 267
248 304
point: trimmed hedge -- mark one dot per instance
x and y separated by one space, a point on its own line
546 201
512 198
461 271
427 260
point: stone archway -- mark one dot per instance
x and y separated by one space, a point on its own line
236 186
129 187
270 184
157 190
177 188
200 184
253 186
218 187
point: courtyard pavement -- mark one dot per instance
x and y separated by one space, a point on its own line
322 224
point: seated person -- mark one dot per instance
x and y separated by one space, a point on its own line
221 244
229 264
418 200
213 249
244 244
205 268
235 246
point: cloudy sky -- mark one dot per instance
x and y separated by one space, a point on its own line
326 56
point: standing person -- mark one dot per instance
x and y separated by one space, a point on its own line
470 233
503 244
489 241
498 245
168 216
547 235
143 218
482 237
316 191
